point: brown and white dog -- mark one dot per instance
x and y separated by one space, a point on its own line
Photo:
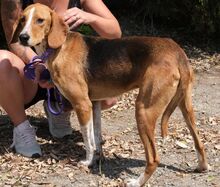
89 69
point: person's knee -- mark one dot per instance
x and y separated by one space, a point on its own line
4 54
5 64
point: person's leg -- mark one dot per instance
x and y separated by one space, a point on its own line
59 125
15 92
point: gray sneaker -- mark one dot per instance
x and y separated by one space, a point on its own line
24 140
59 126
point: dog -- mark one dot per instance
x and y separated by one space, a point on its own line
88 69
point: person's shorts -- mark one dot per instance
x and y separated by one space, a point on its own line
42 95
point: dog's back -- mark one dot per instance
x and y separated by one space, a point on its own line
122 63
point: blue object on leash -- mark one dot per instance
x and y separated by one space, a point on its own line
29 72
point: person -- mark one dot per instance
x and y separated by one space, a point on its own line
17 92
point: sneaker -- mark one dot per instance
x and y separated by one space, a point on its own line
59 126
24 140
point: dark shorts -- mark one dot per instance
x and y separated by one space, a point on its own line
42 95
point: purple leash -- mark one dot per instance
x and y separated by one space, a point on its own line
59 101
29 72
29 69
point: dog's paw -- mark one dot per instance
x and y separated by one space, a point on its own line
201 168
132 183
86 163
165 140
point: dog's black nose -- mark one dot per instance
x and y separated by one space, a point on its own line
24 38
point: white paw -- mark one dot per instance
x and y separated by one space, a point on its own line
209 168
132 183
86 162
165 140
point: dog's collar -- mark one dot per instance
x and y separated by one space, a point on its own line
46 54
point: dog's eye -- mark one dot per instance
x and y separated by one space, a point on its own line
40 21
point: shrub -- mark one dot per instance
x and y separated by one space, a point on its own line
199 16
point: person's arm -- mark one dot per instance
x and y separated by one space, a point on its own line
10 13
97 15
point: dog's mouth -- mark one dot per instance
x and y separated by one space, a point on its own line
25 40
26 43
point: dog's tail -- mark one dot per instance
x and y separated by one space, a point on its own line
183 91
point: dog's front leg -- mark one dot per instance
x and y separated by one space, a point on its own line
97 128
85 117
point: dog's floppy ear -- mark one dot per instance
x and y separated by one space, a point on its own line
58 31
16 33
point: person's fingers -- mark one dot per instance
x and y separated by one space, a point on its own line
75 18
76 24
72 19
70 13
46 84
38 70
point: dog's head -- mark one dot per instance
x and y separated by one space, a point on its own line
38 23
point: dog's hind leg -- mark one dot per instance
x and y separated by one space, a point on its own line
167 113
146 120
97 129
153 98
188 113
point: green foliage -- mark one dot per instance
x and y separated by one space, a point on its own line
206 16
198 16
85 29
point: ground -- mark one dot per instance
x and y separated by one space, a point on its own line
123 151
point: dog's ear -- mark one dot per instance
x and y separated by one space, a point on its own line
16 33
58 31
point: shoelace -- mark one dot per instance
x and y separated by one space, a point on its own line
27 137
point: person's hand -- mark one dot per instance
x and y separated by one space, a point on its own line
39 70
75 17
